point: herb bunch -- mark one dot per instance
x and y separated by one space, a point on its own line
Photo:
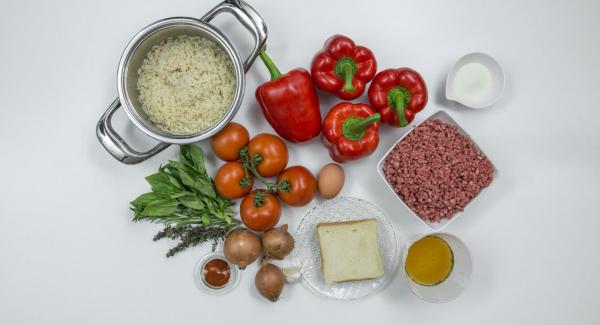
190 236
184 198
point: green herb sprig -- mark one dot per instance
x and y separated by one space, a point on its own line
190 236
184 198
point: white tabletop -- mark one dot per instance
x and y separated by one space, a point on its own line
69 253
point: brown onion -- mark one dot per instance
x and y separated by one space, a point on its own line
242 247
269 281
277 242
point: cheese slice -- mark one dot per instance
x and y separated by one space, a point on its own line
349 250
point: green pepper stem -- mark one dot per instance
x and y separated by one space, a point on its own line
398 98
345 68
354 128
348 75
273 70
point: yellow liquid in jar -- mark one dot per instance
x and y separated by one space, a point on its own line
429 261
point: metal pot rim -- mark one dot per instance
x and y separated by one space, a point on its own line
116 145
139 38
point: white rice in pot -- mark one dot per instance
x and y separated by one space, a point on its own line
186 84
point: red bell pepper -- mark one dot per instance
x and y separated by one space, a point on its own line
289 102
343 68
398 94
350 131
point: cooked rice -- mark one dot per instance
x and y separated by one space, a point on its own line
186 84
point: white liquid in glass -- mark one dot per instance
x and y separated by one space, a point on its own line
472 83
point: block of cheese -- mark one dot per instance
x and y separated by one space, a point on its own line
349 250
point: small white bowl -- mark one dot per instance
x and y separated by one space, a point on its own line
457 281
476 80
444 117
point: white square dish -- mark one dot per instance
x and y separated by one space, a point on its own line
444 117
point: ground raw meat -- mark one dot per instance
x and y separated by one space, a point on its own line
437 171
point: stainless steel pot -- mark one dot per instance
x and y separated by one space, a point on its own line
134 55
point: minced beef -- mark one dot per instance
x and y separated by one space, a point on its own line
437 171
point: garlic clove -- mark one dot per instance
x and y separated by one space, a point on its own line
292 274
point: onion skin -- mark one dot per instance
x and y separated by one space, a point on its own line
277 243
269 281
242 247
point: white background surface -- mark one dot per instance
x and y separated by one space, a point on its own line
69 253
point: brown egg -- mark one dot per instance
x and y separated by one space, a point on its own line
331 180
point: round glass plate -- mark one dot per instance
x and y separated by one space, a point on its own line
308 253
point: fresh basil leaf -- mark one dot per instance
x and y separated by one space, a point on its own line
198 184
162 182
194 214
175 182
205 219
173 165
197 157
192 202
173 178
221 201
176 167
164 189
158 179
184 156
173 172
160 207
188 180
180 194
143 200
183 194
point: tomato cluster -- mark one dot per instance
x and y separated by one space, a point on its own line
265 155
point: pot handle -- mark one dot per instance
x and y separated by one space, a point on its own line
249 18
116 146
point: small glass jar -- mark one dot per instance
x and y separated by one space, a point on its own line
203 285
457 281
